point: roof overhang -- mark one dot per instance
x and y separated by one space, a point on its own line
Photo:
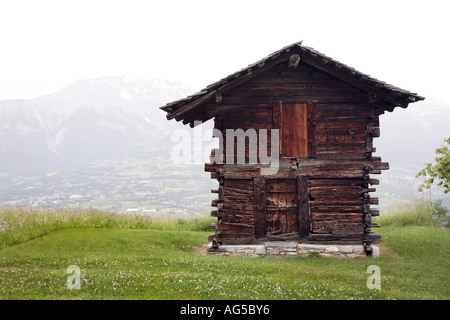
385 96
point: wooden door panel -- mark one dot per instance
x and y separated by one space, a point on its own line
279 212
294 130
296 122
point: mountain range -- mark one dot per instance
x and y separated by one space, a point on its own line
104 143
85 120
100 143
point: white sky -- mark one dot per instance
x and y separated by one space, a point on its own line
45 45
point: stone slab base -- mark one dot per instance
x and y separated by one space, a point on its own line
292 249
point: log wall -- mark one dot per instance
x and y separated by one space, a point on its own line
341 126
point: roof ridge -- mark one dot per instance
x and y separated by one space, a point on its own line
395 96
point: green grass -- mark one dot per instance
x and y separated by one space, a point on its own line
18 225
421 213
164 259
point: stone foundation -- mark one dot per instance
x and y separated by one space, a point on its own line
292 249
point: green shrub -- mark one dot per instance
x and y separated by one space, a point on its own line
422 213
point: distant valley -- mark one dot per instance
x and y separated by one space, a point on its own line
104 144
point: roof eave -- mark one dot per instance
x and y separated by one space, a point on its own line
389 96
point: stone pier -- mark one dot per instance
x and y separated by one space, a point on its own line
292 249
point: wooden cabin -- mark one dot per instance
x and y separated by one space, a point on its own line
327 115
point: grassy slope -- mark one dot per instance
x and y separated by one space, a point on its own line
126 263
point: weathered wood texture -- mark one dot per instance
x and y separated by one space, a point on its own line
303 211
259 193
294 137
281 207
328 127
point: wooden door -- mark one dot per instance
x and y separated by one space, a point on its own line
281 207
297 128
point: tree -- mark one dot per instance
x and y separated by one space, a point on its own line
439 170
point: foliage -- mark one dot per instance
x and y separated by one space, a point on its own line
439 171
422 213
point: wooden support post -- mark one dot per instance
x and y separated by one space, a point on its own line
311 130
277 122
303 206
259 196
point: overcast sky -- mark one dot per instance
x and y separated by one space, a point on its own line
45 45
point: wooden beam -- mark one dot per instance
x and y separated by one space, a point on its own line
311 130
259 196
303 206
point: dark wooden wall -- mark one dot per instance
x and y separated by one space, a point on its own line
343 124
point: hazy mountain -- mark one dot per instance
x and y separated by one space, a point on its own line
100 143
84 121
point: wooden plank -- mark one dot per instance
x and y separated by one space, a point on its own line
259 195
238 184
216 213
231 212
336 209
341 138
235 238
293 96
292 175
374 212
312 165
342 124
330 111
303 206
302 93
235 192
238 218
277 123
335 182
341 147
341 131
307 78
236 228
355 238
337 227
337 238
339 201
284 185
341 192
311 128
276 112
295 130
341 217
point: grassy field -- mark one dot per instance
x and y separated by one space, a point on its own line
134 257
